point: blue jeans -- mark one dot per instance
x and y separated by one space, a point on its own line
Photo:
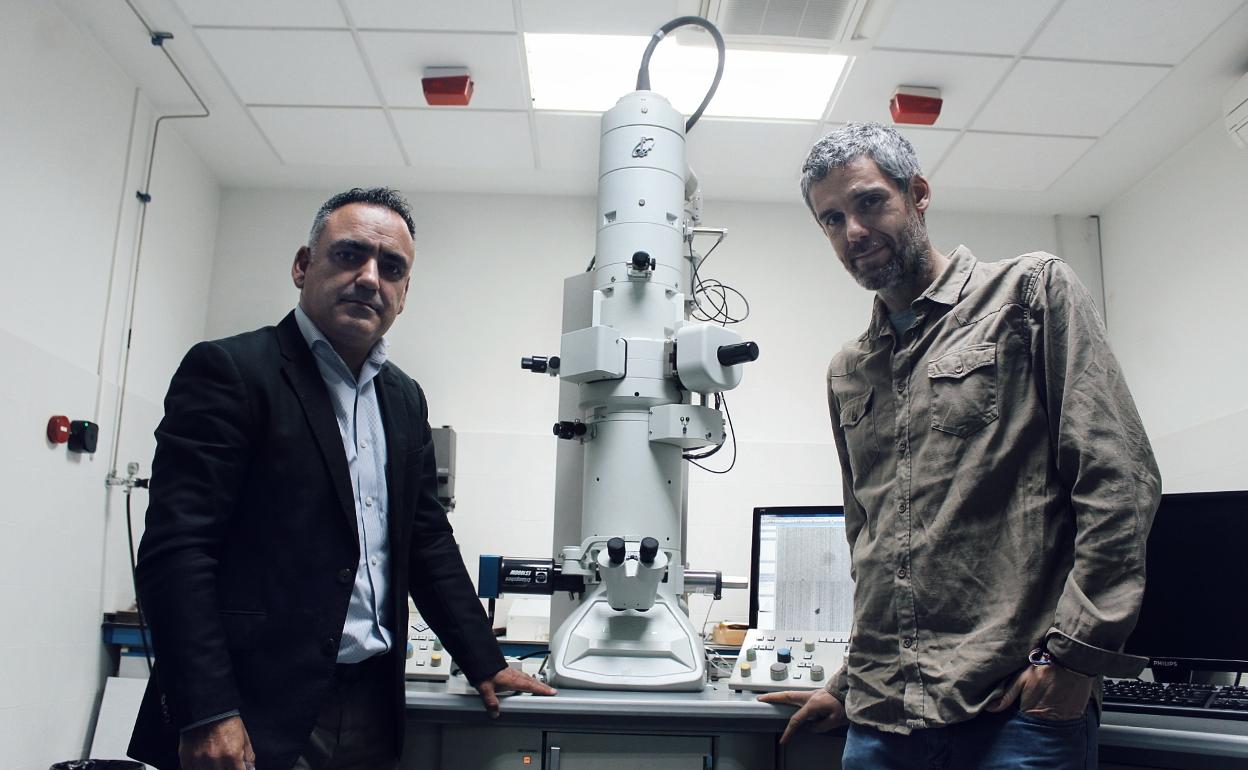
1007 741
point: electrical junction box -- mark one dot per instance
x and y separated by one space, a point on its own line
686 425
588 355
444 459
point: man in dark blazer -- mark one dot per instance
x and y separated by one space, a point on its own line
293 509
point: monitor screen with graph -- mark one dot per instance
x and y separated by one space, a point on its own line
799 569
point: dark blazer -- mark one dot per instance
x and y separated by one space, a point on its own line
249 556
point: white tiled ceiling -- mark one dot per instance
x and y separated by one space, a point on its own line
1037 93
1071 98
460 15
964 81
466 139
315 135
964 26
1008 161
1154 31
567 139
268 13
400 58
290 67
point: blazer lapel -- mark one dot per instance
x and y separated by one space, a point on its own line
299 368
394 420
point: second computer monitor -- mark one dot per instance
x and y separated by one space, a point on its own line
799 570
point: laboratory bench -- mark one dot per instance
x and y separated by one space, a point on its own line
721 730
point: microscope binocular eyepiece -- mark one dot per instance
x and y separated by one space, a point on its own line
615 550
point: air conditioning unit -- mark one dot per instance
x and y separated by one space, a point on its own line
841 26
1235 111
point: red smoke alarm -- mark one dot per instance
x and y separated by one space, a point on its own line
447 86
58 429
912 104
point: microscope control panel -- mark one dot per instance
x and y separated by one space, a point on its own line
788 660
426 660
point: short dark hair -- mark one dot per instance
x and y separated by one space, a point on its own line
376 196
885 145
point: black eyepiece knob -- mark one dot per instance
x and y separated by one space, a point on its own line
649 549
615 550
535 364
641 260
730 355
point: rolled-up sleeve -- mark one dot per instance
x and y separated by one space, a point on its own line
1105 461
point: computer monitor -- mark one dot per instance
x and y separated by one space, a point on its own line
799 570
1195 611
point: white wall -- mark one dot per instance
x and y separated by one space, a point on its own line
66 207
1174 250
487 289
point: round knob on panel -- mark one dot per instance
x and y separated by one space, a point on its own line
615 550
410 649
784 655
779 671
810 645
435 659
437 645
746 668
816 673
649 549
751 654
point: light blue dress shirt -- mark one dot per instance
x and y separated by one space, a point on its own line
365 632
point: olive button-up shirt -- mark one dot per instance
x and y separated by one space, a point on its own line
998 487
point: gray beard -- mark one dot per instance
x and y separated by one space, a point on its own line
910 260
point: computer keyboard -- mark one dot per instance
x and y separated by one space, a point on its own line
1178 699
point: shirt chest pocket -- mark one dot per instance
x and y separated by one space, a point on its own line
964 389
858 423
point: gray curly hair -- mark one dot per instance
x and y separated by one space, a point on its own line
891 151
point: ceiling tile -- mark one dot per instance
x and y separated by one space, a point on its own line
1070 98
1161 31
289 67
270 13
749 148
329 136
400 58
466 139
569 141
1008 161
929 144
965 26
464 15
636 17
964 83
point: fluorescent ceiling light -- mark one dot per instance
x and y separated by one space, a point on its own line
589 73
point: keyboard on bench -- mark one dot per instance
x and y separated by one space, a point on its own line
1178 699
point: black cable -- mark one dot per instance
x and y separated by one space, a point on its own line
714 292
134 580
732 431
533 654
643 72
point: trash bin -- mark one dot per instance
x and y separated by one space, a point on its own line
98 764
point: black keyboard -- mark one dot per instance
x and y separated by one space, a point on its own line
1198 700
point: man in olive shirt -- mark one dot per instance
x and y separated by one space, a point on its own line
998 487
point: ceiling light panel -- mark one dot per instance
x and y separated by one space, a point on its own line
591 72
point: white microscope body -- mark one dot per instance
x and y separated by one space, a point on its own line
636 367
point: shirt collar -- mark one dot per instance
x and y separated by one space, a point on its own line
946 290
323 350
